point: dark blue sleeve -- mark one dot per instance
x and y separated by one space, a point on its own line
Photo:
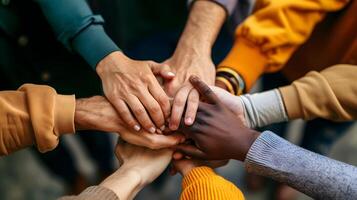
78 28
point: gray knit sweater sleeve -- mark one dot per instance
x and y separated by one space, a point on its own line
315 175
93 193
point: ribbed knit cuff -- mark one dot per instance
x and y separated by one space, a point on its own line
247 60
196 174
64 114
263 108
94 193
93 44
262 154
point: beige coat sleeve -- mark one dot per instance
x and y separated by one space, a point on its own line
34 114
93 193
330 94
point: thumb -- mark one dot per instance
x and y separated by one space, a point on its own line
163 70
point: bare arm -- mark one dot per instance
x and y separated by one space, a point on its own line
193 57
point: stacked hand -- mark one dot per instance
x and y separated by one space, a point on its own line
139 167
96 113
186 97
217 131
131 87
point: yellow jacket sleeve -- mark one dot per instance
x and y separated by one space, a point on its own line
34 115
203 183
330 94
267 39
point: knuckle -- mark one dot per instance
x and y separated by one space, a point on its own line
179 102
138 111
163 100
153 143
131 122
154 109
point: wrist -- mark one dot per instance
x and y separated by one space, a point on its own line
125 183
78 115
191 47
111 61
251 136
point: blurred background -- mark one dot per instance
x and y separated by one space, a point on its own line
146 29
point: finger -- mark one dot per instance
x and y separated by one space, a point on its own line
160 96
190 132
192 106
177 155
125 114
164 141
152 141
178 107
118 149
192 151
140 113
162 70
172 171
204 90
153 107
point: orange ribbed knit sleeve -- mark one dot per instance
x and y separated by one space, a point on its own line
267 39
34 115
202 183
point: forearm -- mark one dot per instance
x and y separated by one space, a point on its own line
34 115
308 172
125 183
78 28
228 5
204 23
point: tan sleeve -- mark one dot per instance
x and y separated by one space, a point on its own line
330 94
34 115
93 193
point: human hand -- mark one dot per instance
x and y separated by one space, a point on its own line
184 64
217 132
149 164
96 113
139 167
184 166
131 87
232 102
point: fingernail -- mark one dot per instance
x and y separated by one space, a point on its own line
158 131
137 128
173 127
193 78
182 140
170 74
162 127
188 121
152 130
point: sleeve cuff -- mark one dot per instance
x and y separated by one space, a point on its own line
64 114
247 60
261 155
93 44
196 174
290 98
264 108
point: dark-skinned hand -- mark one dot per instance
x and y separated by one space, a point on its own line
217 132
